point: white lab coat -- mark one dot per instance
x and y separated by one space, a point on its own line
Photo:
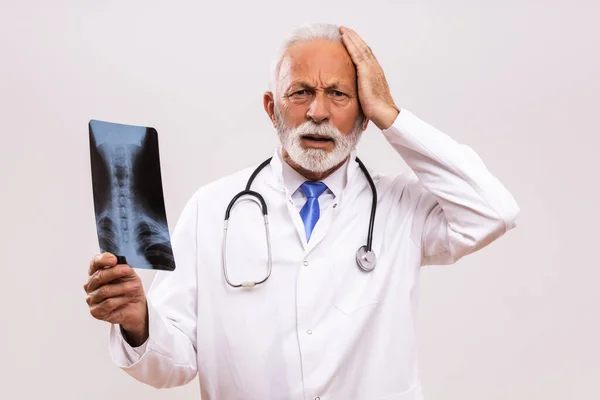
319 328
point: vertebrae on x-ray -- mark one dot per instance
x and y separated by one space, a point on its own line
123 225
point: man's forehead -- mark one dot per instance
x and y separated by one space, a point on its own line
319 57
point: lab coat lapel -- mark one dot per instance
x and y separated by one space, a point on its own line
328 217
355 183
276 182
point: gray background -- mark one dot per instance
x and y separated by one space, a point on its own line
516 80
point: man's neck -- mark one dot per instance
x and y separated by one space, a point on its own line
310 175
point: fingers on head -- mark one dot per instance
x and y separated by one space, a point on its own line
358 49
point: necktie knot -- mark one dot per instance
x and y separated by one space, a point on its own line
313 189
310 211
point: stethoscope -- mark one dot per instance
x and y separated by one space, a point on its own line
365 257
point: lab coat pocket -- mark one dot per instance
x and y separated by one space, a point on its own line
357 290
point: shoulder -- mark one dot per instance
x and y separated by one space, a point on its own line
214 197
224 187
397 186
209 202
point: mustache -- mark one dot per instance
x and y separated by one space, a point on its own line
310 128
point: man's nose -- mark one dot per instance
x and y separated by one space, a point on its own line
319 109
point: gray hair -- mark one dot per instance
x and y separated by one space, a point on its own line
302 33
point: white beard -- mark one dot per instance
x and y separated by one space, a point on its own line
317 160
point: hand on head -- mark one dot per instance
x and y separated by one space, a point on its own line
373 90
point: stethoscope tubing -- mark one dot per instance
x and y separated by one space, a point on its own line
364 254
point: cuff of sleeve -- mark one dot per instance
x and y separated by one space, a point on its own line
122 353
404 122
411 132
139 350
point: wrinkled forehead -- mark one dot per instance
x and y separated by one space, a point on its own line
319 62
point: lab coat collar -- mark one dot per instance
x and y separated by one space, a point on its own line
351 185
289 179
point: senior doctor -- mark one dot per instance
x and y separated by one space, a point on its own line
320 327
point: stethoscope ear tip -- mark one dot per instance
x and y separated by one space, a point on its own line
366 259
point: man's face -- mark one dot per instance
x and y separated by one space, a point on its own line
317 110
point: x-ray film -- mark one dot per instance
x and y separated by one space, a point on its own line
128 196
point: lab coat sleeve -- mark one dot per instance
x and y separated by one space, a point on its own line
168 358
460 206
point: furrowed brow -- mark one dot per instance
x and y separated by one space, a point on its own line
341 87
303 85
308 86
294 86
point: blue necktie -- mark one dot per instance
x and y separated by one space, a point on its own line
310 211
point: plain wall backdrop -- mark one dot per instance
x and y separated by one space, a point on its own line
516 80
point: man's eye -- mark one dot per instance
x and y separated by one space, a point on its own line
337 93
300 93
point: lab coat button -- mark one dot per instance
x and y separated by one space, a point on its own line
309 332
317 398
305 263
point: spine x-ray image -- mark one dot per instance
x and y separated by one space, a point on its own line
128 196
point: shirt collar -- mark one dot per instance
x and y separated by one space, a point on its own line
291 179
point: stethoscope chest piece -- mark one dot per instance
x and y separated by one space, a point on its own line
366 259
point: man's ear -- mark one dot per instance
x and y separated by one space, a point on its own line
269 104
365 120
365 123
